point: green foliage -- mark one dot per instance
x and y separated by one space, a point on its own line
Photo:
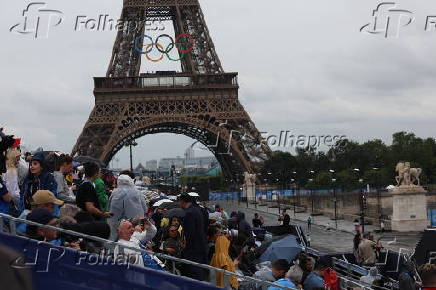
216 182
375 160
348 179
280 166
323 180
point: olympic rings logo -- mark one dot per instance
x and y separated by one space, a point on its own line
184 43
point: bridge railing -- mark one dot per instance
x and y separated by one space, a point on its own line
111 245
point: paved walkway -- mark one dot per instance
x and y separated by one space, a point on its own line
324 240
324 221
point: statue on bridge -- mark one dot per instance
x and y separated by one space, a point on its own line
250 185
409 201
406 175
250 179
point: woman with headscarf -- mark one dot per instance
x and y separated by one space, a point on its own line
222 260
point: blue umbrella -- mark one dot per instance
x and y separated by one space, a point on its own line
287 248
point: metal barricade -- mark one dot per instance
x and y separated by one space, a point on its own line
350 275
347 284
110 246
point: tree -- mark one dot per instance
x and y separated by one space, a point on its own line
323 180
345 154
280 166
347 179
216 182
375 160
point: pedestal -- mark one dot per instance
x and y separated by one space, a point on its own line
250 192
409 209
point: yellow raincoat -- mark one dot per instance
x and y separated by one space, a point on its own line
222 260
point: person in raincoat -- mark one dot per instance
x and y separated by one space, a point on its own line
222 260
125 202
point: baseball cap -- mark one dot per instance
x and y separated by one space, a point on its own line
40 216
45 196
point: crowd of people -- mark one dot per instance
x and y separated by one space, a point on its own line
122 213
76 197
79 197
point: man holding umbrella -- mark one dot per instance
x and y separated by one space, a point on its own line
195 247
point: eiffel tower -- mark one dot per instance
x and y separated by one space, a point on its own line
200 102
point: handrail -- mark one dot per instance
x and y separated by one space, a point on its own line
345 263
112 244
351 283
349 267
172 80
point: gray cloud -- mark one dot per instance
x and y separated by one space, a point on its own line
303 66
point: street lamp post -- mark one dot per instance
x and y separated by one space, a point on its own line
131 157
362 214
270 181
255 199
296 188
279 193
131 144
266 192
259 178
246 197
294 199
265 187
311 189
239 184
173 173
335 200
229 188
379 207
362 200
311 196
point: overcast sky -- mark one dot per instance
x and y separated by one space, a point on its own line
304 66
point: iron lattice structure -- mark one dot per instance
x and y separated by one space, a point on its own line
200 102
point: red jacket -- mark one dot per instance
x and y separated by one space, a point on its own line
331 279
